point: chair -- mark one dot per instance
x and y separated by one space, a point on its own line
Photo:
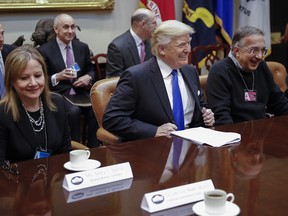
76 145
100 95
203 80
100 65
212 53
279 73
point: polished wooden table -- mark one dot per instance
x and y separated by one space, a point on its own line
255 171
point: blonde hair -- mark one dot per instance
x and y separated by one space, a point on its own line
15 63
166 31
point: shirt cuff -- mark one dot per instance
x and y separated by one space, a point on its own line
54 81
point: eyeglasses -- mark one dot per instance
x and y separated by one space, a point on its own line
255 50
67 27
12 168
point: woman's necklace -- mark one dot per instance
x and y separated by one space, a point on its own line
37 124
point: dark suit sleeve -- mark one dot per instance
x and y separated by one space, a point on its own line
65 144
115 64
3 134
119 117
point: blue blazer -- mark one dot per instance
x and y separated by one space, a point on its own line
141 104
18 141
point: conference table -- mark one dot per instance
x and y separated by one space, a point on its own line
255 170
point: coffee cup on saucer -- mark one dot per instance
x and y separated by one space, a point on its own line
215 201
78 158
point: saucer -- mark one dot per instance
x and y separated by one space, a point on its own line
90 164
231 209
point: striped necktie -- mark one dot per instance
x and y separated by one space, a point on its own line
70 63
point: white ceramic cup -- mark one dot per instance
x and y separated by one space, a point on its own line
215 201
78 158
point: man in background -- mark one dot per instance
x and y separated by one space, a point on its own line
71 73
5 49
133 46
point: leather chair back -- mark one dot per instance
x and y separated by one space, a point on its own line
100 95
279 73
203 80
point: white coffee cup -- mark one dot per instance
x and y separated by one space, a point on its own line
78 158
215 201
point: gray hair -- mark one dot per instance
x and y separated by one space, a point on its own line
243 32
166 31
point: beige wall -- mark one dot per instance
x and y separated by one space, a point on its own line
98 27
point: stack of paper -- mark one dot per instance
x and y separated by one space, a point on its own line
207 136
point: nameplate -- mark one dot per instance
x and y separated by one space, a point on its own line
172 197
100 176
73 196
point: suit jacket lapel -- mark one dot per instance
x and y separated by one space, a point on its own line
25 127
192 87
133 49
158 83
57 54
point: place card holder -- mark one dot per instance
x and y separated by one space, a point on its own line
99 190
100 176
176 196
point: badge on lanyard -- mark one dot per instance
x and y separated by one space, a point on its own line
40 153
250 95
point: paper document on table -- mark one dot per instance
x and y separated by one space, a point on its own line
208 136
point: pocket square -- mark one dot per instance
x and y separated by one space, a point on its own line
198 92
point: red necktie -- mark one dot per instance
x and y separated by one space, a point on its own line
143 53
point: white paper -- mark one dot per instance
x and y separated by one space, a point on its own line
176 196
208 136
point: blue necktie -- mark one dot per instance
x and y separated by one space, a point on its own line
2 87
179 118
177 102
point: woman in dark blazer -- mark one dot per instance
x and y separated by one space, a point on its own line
33 122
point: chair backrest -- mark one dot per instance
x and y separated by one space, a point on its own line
203 80
211 53
100 95
100 65
279 73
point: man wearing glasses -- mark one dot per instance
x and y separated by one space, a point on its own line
71 73
240 87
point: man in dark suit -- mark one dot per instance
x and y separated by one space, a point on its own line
5 49
142 105
61 77
125 50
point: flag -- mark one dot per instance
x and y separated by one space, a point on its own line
224 16
256 14
199 14
163 9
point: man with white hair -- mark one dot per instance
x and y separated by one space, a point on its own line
145 101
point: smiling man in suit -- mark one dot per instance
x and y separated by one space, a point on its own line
61 56
125 50
143 103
